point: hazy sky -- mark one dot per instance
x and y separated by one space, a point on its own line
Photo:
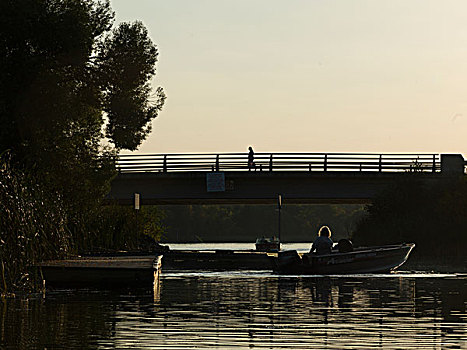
307 75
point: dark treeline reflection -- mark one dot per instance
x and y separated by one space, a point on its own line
227 311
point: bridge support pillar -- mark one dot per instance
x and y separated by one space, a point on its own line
452 164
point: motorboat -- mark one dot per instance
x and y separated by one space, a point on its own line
378 259
268 244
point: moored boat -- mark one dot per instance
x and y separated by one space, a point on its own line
266 244
361 260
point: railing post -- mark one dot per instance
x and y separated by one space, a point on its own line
434 163
164 166
309 166
325 166
270 162
380 166
217 163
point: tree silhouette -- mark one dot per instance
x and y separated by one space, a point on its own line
74 90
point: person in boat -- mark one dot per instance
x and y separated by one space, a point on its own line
323 243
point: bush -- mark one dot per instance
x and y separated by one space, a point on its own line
115 227
433 215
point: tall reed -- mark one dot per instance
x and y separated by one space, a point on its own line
33 226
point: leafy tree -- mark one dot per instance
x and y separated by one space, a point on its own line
73 92
128 87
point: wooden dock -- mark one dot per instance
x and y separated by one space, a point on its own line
217 260
112 271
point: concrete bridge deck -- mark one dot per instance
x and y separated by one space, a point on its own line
299 178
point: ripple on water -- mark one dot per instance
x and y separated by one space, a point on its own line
244 310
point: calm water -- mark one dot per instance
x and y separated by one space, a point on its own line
247 310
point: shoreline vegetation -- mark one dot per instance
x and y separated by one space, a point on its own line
76 89
431 215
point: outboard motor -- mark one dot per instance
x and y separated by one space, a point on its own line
345 245
287 260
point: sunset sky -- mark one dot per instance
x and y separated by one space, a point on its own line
307 75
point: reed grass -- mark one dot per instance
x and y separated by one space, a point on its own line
32 226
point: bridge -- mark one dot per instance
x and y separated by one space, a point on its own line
226 178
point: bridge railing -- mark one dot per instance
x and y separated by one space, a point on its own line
176 162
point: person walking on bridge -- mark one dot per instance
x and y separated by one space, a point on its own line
251 158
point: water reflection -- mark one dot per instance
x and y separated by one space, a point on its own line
231 310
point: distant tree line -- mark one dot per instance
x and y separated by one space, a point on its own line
245 223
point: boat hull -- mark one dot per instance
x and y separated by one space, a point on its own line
268 247
367 260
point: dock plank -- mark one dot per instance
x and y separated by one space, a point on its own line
102 271
121 262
